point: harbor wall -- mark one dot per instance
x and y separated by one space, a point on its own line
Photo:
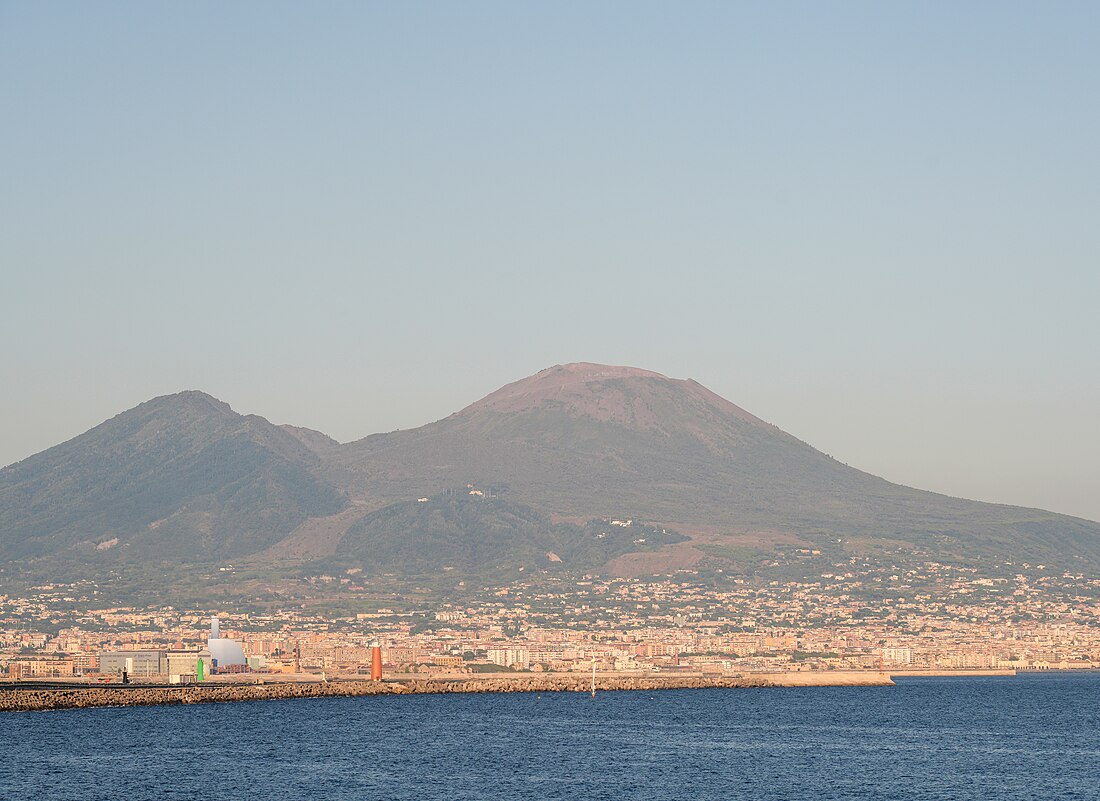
14 699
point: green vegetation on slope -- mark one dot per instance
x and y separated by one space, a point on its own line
482 536
182 478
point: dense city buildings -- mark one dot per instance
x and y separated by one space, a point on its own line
853 616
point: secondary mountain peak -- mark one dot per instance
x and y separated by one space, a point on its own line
188 399
180 475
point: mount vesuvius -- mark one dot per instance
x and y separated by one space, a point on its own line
185 479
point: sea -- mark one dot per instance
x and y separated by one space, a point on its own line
1032 736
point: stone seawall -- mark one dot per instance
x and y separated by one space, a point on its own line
80 697
961 672
549 683
134 695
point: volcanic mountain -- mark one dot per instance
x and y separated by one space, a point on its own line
588 440
185 477
181 477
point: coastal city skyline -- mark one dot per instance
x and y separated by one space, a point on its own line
933 617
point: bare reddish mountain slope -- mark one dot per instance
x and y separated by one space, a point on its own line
587 440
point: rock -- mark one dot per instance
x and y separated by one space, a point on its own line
13 699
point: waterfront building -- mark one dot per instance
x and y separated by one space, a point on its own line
41 668
135 663
224 652
510 657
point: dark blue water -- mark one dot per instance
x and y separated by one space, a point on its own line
1033 737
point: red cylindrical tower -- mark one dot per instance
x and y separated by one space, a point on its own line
376 662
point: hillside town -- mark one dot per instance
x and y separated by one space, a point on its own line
857 616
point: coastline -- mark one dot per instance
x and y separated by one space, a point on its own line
957 672
83 696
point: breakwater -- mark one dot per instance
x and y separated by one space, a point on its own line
960 672
76 696
80 697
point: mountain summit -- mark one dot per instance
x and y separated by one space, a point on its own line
622 395
181 475
586 440
184 477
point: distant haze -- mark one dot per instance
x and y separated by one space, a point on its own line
874 227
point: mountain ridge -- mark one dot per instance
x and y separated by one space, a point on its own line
184 477
177 467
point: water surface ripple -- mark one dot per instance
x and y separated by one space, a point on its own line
1029 737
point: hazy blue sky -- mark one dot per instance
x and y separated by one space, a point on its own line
876 225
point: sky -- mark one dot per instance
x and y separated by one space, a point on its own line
876 225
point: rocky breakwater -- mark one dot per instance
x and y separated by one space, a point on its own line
580 682
549 682
13 699
19 700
